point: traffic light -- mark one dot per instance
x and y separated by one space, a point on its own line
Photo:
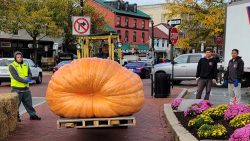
81 3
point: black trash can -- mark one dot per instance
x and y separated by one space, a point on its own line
162 85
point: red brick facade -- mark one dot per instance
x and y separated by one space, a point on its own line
113 20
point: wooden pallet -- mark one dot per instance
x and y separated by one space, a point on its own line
96 122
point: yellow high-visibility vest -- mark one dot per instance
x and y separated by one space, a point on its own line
23 72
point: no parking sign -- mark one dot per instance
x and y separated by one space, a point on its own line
81 25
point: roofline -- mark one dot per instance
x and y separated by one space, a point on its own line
146 17
161 24
152 4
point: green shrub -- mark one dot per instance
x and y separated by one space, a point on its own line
200 120
212 131
240 120
214 113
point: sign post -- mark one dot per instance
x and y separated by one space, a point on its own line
173 38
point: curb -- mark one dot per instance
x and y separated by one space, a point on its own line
181 134
183 93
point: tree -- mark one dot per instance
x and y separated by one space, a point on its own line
201 20
31 15
42 18
63 10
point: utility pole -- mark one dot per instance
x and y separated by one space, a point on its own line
81 4
153 57
171 46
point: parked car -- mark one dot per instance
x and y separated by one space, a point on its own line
139 67
62 63
185 67
36 72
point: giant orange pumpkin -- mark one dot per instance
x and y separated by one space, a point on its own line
94 87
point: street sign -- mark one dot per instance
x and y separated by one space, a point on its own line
174 35
81 25
174 22
219 40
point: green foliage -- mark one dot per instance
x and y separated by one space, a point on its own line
240 120
212 131
46 17
222 107
31 15
200 120
217 112
201 21
214 113
62 12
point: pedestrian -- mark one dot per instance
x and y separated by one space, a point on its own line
233 77
206 73
20 75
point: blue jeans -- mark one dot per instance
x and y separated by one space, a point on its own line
25 98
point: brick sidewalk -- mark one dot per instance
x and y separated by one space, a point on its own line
150 125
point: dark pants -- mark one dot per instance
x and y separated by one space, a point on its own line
25 98
202 83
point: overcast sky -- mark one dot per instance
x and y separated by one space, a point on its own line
145 2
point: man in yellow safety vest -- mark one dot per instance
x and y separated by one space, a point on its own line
20 75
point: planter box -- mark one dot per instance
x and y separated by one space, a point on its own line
180 133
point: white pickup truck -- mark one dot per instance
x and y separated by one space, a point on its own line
237 34
5 74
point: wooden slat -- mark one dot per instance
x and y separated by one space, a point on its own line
96 122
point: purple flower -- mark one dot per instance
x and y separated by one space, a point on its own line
234 110
241 134
176 103
198 108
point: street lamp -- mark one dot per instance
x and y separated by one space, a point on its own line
120 52
153 57
78 46
152 42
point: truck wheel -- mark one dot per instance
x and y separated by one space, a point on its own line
39 79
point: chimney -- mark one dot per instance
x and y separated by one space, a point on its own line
135 8
119 4
126 6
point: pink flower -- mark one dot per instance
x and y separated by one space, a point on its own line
198 108
241 134
234 110
176 103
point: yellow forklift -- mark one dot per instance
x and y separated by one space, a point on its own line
85 49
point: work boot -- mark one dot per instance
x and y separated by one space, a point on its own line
35 117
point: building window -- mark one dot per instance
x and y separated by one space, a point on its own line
118 20
126 22
135 23
134 36
14 45
126 36
143 37
143 24
163 43
119 33
157 42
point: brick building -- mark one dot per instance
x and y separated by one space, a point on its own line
131 23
